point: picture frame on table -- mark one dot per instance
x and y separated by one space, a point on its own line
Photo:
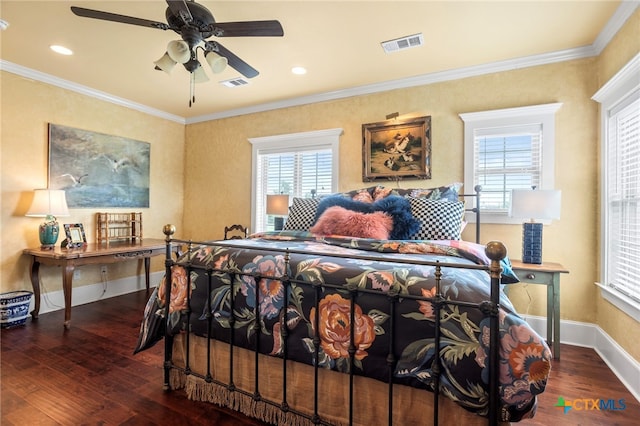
75 235
397 149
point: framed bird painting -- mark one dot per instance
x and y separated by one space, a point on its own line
98 170
396 149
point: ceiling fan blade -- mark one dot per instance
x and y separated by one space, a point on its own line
236 63
106 16
249 29
179 8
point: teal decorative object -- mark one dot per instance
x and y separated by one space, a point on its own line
49 231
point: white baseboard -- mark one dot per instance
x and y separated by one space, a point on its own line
54 300
589 335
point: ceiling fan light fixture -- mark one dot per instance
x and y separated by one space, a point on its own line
195 24
179 51
216 62
199 76
165 63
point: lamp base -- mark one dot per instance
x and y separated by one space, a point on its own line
532 243
48 233
278 223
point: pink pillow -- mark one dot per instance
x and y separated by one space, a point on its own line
337 220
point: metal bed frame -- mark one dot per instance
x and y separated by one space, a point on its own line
496 251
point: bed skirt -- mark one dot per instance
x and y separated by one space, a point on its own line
411 406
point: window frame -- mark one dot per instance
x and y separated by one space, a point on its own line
293 142
519 117
619 89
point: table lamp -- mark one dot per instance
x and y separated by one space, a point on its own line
278 206
48 203
534 205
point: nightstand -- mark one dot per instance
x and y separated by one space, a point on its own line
546 273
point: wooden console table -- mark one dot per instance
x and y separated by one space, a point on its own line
90 254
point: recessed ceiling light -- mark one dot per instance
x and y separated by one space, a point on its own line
61 50
299 70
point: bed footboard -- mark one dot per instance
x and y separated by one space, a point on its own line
242 379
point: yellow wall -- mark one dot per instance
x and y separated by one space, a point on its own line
218 152
27 108
625 45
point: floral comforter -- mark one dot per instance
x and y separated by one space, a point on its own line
524 355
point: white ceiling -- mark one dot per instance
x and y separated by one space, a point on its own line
338 42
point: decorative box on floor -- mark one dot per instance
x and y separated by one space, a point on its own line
14 308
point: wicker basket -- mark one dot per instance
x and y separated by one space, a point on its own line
14 308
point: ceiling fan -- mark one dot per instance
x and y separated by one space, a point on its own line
195 24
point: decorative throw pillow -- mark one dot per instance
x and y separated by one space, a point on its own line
340 221
446 192
441 220
363 196
381 192
302 214
404 224
360 193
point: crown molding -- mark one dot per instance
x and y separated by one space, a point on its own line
620 16
421 80
84 90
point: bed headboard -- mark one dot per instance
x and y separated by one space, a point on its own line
476 207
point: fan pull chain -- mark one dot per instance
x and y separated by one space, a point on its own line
192 90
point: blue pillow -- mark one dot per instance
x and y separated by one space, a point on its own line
399 208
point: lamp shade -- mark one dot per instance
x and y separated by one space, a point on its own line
535 204
179 51
165 63
48 202
199 76
216 62
278 205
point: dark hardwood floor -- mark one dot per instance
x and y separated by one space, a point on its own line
88 375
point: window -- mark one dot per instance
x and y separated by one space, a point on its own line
299 164
508 149
620 116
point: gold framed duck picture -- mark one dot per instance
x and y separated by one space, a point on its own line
397 149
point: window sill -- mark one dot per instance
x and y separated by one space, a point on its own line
622 302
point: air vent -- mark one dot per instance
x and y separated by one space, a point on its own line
403 43
235 82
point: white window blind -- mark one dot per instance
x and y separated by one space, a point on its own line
506 159
507 149
303 174
297 164
623 198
